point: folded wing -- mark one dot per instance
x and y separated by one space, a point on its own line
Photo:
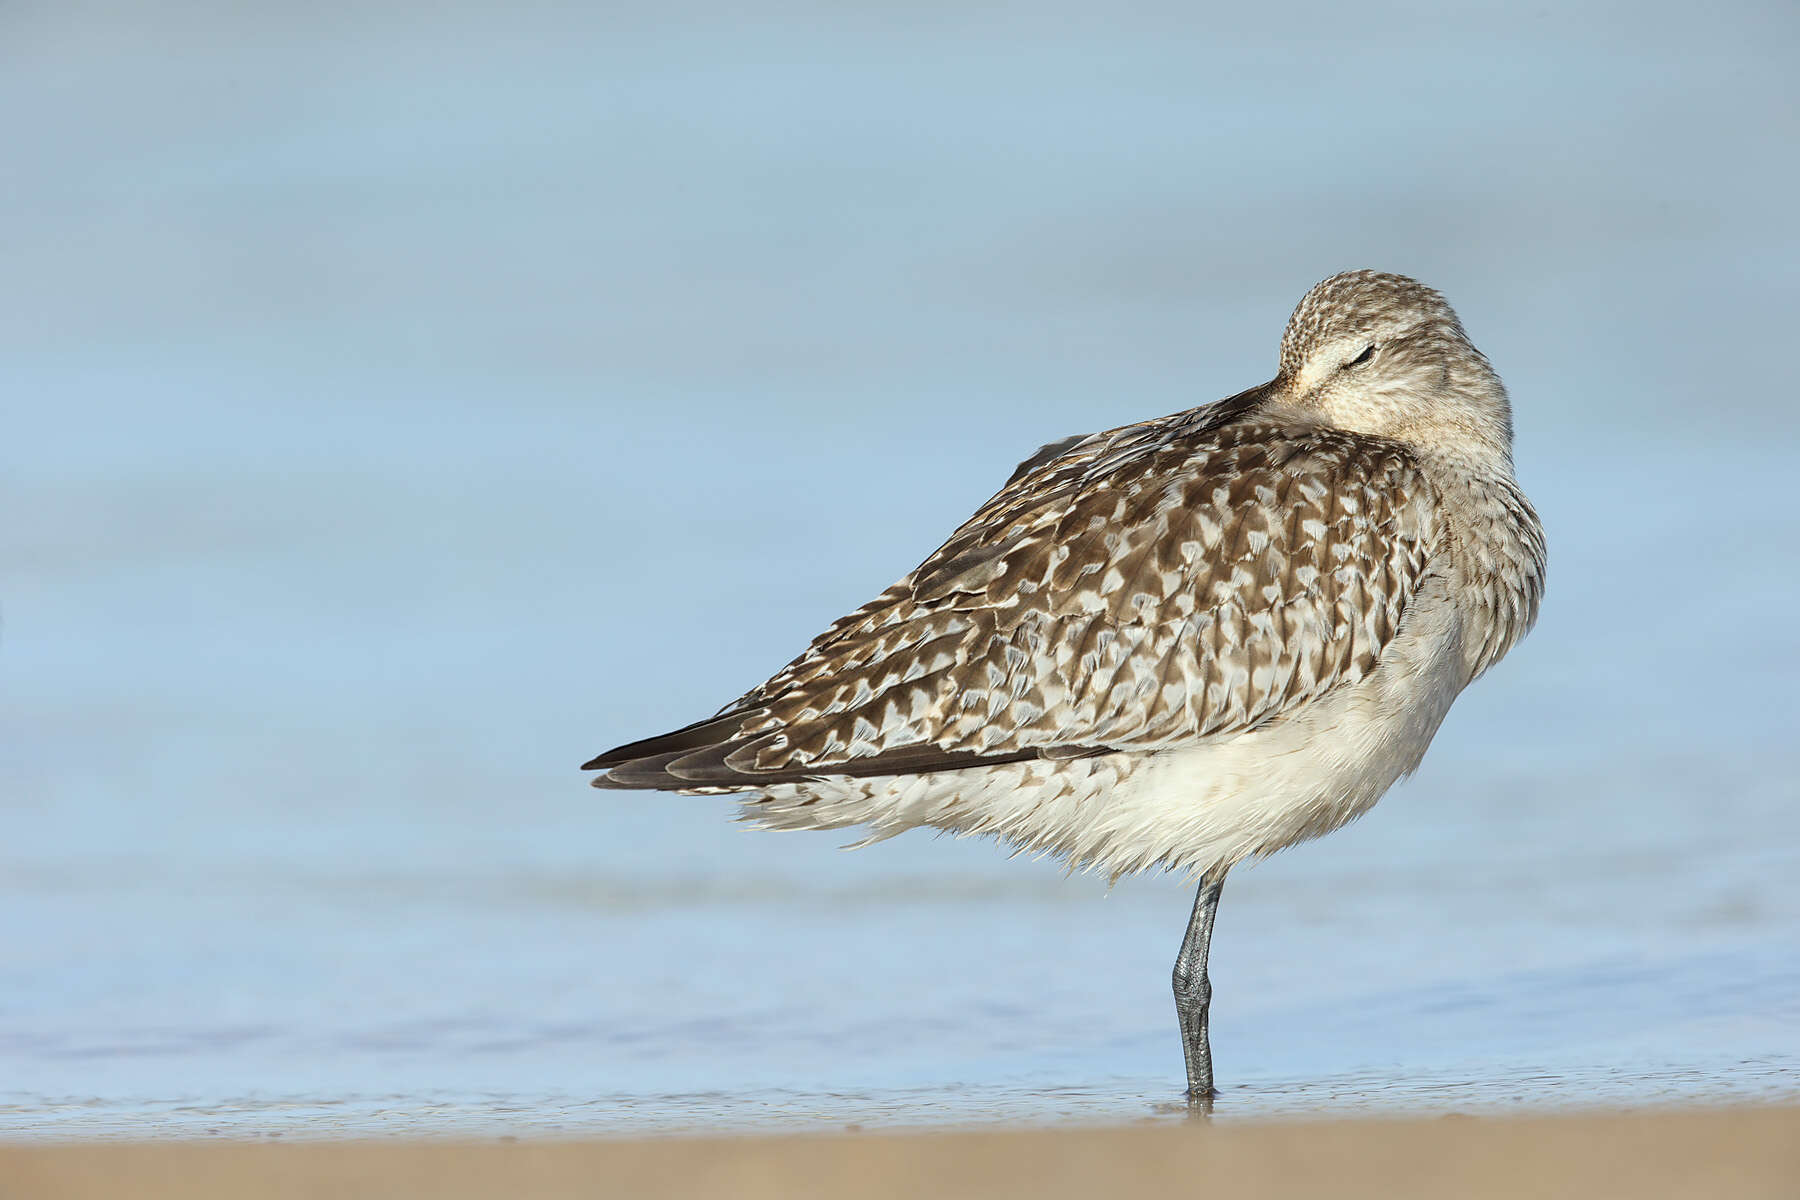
1138 590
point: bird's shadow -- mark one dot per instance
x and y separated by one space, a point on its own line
1189 1108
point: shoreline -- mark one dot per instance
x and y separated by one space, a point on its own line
1740 1151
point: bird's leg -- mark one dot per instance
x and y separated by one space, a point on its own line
1193 993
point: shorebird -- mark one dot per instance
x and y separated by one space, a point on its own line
1173 645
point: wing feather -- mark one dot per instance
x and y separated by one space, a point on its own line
1138 590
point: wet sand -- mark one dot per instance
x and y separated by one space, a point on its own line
1712 1153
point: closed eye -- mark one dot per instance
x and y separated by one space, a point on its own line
1359 360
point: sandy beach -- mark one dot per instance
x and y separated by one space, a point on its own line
415 400
1752 1152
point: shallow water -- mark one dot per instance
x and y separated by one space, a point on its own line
406 411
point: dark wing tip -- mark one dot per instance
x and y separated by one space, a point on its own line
698 736
606 781
715 753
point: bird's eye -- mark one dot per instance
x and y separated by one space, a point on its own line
1365 356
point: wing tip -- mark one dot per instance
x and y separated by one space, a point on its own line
702 733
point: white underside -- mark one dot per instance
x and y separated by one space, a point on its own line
1198 809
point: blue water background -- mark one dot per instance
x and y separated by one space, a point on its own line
404 402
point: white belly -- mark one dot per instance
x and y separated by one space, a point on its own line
1199 809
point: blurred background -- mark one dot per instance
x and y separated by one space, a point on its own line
405 402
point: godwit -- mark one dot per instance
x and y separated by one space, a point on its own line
1178 644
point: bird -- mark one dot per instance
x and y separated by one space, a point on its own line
1178 645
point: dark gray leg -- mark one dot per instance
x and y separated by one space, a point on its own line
1193 993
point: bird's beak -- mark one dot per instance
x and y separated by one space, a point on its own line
1245 402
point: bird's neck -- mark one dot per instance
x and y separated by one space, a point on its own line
1497 546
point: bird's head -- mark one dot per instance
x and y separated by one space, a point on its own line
1385 355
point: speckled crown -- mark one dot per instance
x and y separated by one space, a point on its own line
1354 302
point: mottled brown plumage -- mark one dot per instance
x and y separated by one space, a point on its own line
1156 584
1182 643
1160 587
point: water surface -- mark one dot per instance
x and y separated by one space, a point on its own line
405 405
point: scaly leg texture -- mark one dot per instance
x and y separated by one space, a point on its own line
1193 992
